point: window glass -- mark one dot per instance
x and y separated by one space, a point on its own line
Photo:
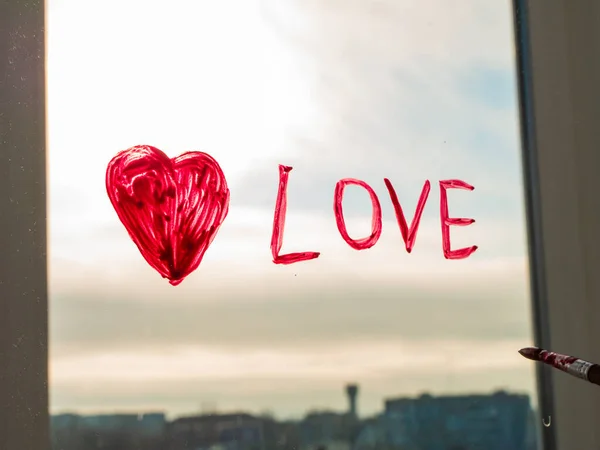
377 348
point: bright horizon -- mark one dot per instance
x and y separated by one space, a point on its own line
354 89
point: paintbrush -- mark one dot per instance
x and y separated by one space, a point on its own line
570 364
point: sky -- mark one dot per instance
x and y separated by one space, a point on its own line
367 89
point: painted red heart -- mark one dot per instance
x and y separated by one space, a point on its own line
171 208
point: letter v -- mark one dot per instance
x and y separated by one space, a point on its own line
408 234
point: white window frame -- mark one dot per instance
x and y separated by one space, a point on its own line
558 54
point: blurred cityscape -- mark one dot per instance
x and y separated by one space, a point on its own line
498 421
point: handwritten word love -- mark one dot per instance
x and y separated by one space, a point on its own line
172 209
409 234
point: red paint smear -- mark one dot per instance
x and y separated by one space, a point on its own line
279 224
364 243
408 234
171 208
460 253
561 362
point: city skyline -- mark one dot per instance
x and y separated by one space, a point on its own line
354 89
499 420
213 408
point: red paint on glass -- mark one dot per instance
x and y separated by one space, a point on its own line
572 365
460 253
279 224
557 360
408 234
363 243
171 208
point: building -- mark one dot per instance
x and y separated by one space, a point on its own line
140 431
237 431
330 429
470 422
372 435
326 429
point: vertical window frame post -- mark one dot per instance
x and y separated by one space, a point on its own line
24 418
558 46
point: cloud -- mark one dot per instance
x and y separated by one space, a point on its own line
309 311
186 381
429 28
344 88
386 107
242 246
